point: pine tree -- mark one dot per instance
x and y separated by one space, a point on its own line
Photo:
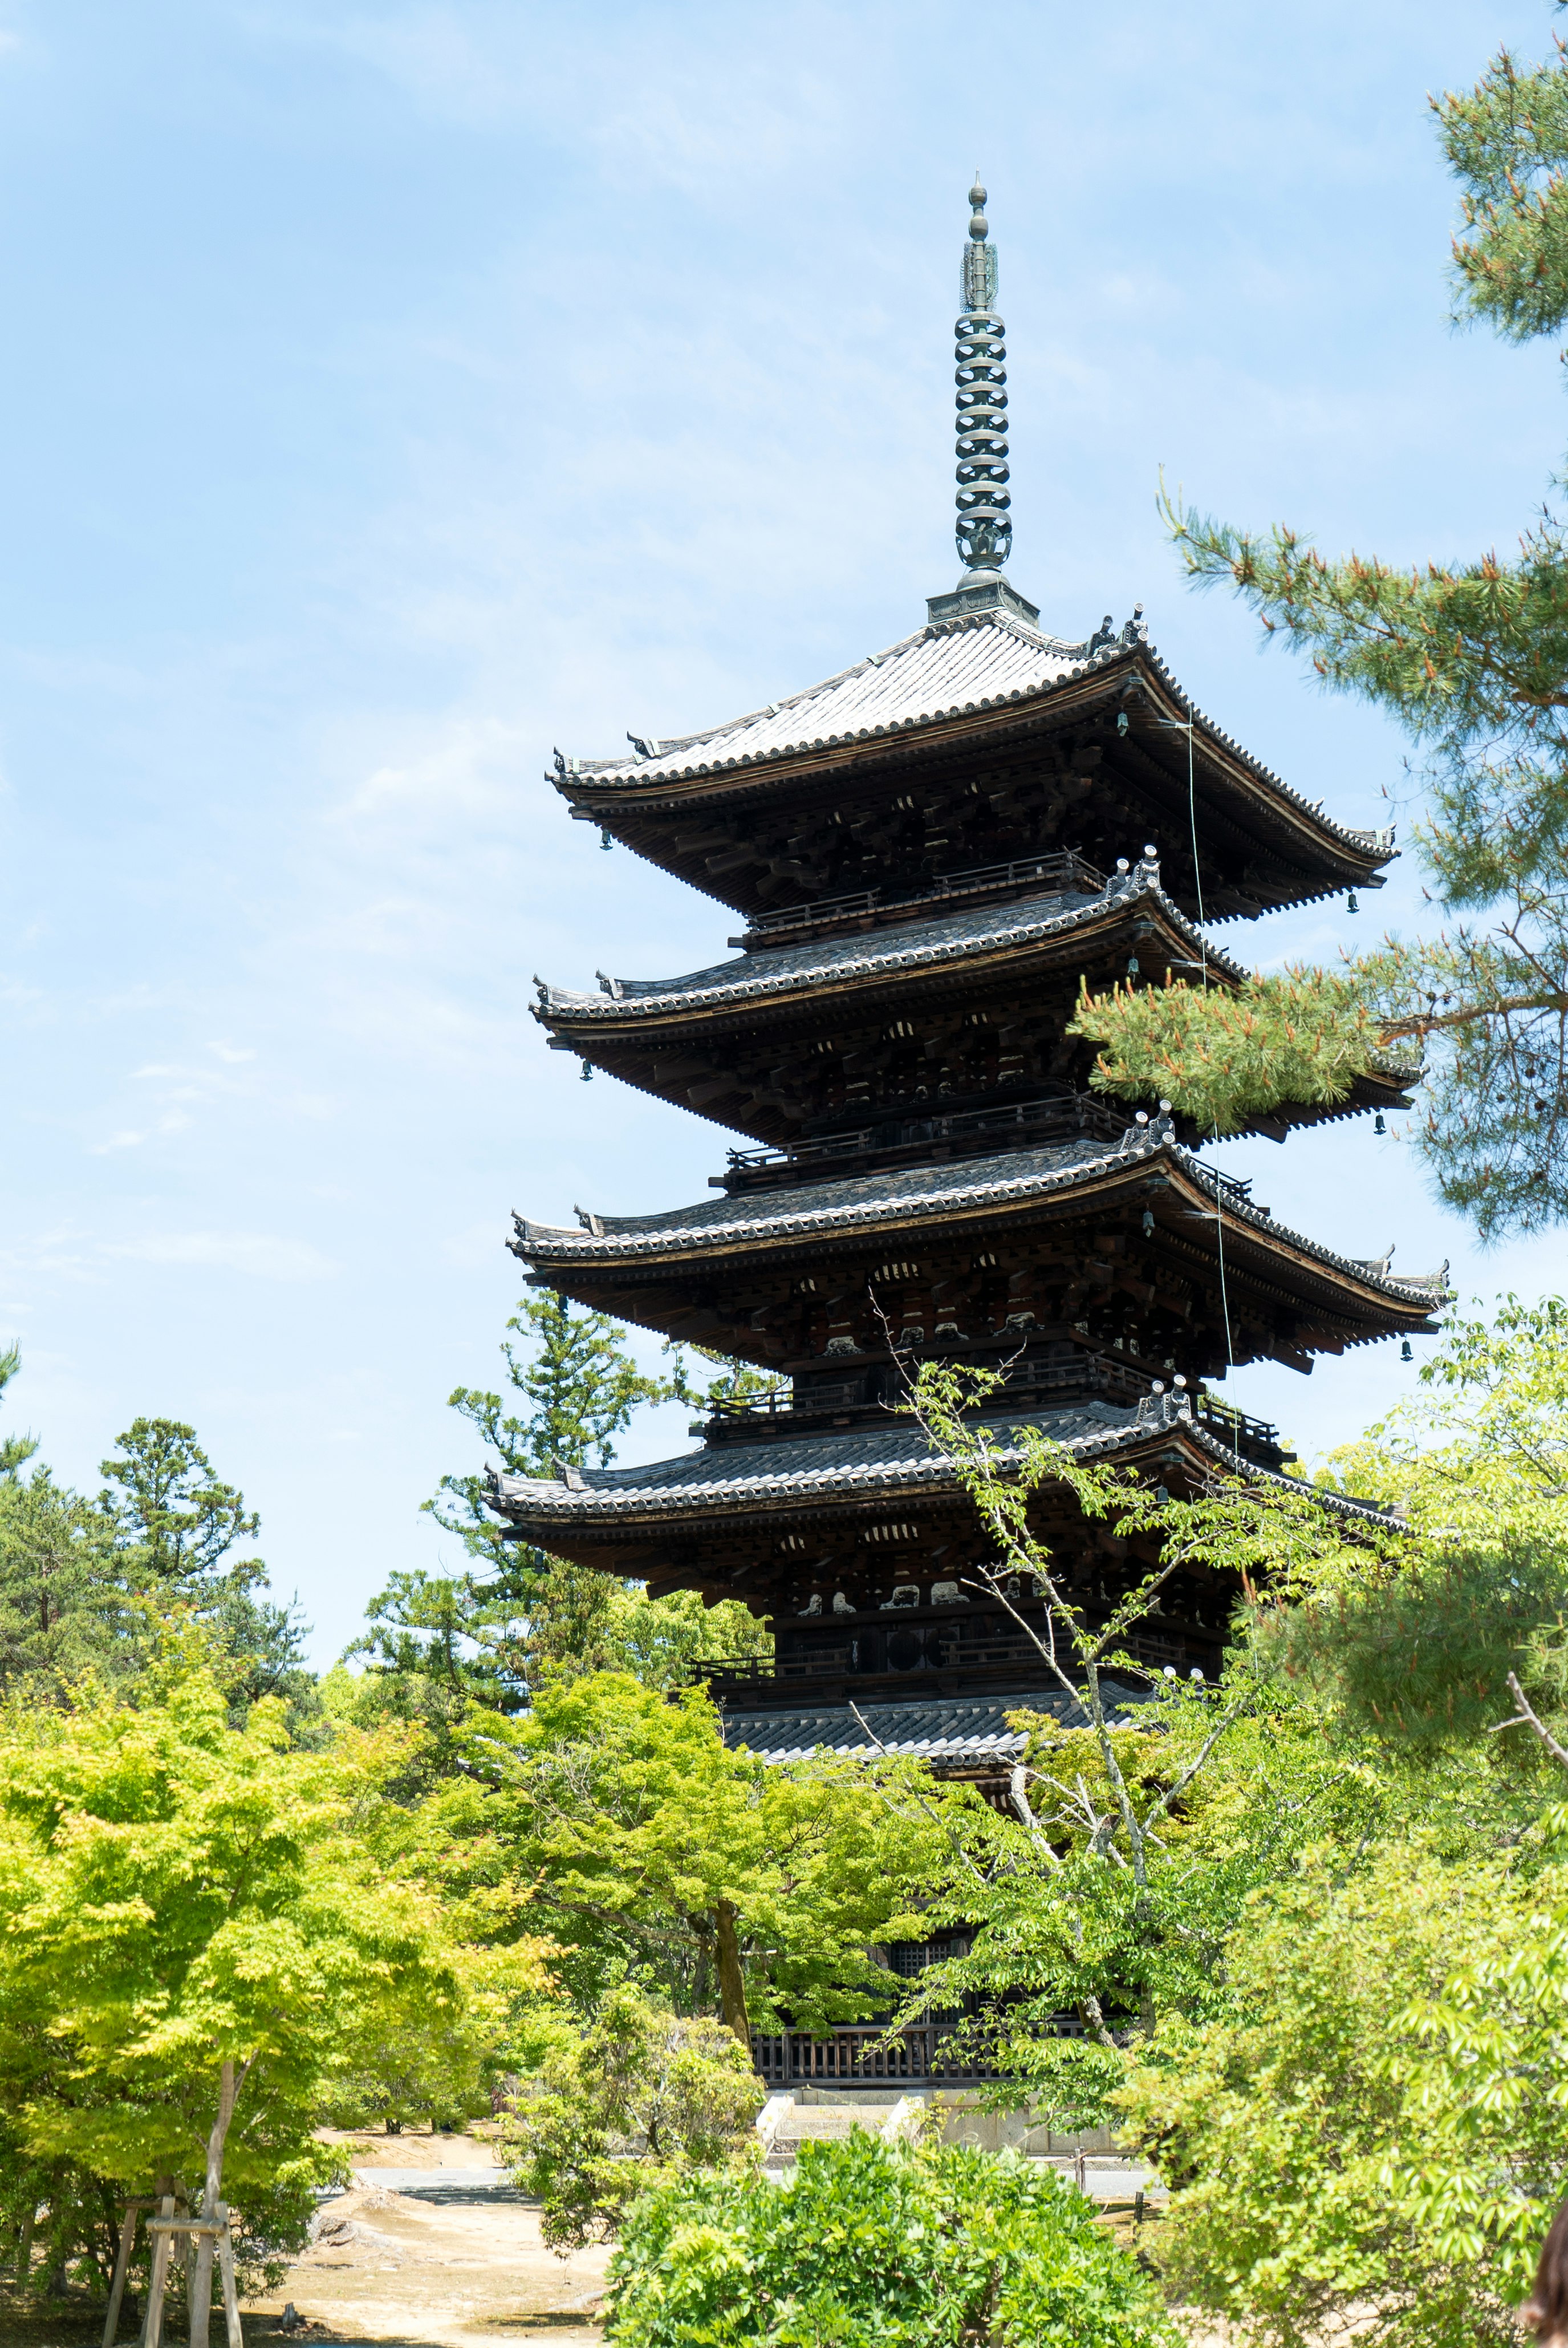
174 1523
437 1643
14 1450
64 1608
523 1610
1472 661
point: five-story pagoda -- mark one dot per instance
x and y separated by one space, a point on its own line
930 852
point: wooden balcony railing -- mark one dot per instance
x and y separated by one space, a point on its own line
1059 1118
1065 869
855 2054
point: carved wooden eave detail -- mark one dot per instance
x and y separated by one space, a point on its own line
1102 737
742 1042
696 1270
722 1521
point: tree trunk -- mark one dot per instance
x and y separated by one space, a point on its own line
229 2082
731 1981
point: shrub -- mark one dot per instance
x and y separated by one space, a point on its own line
639 2096
871 2246
1382 2138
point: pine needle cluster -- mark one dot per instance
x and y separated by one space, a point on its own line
1472 661
1222 1057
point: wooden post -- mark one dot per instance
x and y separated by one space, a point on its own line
201 2292
122 2268
226 2267
186 2250
208 2238
152 2330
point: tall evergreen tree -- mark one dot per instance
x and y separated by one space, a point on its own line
64 1608
174 1525
523 1611
437 1642
16 1450
1472 661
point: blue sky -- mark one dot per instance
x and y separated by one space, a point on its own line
389 393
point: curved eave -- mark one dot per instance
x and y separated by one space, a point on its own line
1331 856
610 1507
979 1197
759 985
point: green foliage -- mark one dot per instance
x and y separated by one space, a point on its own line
1507 141
728 1884
94 1586
1383 2135
1472 659
1135 1839
579 1389
171 1509
1413 1641
436 1644
1061 1924
16 1450
174 1525
195 1926
1221 1057
869 2246
64 1608
491 1635
660 1640
638 2097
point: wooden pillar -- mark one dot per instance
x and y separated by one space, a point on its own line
133 2210
236 2337
161 2240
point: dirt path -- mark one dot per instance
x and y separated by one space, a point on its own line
399 2272
440 2255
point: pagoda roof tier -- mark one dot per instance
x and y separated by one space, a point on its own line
594 1515
821 970
647 1266
952 1732
978 734
743 1041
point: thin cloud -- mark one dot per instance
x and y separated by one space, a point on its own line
261 1255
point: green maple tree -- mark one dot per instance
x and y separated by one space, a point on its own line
202 1943
738 1887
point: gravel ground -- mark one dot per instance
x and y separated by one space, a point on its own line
444 2267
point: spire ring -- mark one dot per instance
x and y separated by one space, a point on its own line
984 532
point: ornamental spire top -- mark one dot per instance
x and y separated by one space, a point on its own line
985 529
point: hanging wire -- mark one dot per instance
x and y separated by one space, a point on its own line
1179 726
1220 1237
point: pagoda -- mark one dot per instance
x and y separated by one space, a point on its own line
930 853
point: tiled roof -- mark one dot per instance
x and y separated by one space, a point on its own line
951 937
853 1463
946 670
861 1202
955 1729
955 662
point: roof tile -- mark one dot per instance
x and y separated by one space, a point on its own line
951 937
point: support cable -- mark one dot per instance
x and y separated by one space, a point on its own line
1176 726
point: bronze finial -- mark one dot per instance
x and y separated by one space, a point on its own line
984 530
